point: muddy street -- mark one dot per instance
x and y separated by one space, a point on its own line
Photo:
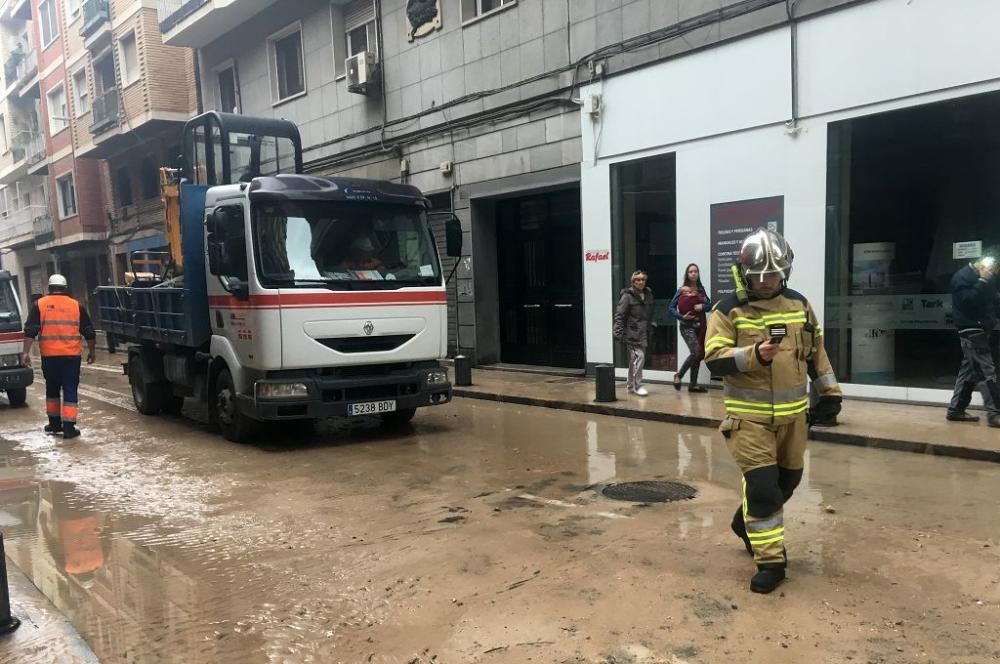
481 535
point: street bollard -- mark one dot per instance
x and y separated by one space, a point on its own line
604 383
463 371
8 623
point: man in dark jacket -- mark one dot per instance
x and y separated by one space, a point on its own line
633 322
976 306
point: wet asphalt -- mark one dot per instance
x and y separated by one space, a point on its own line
480 534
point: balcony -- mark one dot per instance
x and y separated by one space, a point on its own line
20 67
106 112
196 23
41 227
95 14
34 149
18 227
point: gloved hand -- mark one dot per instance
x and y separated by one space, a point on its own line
824 413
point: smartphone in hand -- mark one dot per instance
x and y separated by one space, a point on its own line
777 332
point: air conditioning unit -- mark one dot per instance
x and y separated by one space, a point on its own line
362 73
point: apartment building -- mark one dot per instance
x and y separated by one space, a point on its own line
96 103
477 102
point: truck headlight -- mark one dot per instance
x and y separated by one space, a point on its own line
12 360
437 377
281 390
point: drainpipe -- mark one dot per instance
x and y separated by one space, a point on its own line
792 126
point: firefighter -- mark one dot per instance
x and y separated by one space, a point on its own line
58 321
765 341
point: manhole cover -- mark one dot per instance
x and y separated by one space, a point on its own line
650 491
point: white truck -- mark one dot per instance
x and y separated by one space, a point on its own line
14 376
287 296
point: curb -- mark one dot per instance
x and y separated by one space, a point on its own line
824 435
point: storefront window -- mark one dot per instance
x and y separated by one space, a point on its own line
911 199
644 237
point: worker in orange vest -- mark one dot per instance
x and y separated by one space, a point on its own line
58 321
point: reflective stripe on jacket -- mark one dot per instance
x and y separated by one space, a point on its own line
60 326
776 392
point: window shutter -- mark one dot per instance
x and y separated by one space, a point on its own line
358 13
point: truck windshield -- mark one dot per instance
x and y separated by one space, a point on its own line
9 317
344 245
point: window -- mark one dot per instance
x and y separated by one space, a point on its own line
123 183
150 179
229 90
3 135
73 10
66 193
359 22
58 113
48 16
81 96
128 54
473 8
287 67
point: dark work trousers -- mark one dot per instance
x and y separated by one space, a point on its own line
978 370
62 382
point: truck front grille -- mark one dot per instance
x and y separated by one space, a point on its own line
366 344
371 392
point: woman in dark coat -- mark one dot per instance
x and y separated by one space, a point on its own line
633 322
689 307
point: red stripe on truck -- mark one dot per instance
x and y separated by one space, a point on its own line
325 300
11 336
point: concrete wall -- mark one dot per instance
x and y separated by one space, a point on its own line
725 156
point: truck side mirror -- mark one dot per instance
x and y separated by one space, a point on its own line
453 237
237 288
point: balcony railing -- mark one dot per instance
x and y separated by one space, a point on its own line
173 12
95 12
41 226
106 112
20 66
24 141
20 224
34 148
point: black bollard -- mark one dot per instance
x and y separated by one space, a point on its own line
604 383
463 371
8 623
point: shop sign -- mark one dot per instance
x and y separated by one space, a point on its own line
967 250
596 256
894 312
731 223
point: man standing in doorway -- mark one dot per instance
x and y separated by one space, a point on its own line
765 340
58 321
976 305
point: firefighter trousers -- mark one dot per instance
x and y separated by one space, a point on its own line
62 382
771 459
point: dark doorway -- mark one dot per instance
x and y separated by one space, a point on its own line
541 280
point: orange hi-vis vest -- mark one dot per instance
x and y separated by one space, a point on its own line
60 331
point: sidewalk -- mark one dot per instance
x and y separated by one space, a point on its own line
904 427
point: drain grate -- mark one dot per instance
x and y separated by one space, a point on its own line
649 491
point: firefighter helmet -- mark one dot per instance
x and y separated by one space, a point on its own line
766 252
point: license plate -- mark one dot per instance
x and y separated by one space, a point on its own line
371 407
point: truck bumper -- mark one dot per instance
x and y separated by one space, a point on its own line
332 397
15 378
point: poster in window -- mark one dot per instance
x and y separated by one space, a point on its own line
422 17
730 223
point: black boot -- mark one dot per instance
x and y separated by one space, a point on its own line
695 387
740 528
54 427
767 578
70 432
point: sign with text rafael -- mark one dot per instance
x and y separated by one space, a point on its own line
730 224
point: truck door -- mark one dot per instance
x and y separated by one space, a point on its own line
231 308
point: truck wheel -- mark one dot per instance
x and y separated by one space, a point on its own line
399 418
232 423
17 396
148 397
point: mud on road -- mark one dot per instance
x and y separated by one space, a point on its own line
481 535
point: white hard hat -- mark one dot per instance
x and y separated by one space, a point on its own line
57 280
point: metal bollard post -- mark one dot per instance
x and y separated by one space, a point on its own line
604 383
463 371
8 623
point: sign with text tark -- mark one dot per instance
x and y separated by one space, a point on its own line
730 224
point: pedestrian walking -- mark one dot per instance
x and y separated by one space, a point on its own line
976 305
58 321
689 307
765 340
633 322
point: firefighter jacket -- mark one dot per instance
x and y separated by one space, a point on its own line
776 392
58 321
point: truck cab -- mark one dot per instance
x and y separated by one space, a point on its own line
14 376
